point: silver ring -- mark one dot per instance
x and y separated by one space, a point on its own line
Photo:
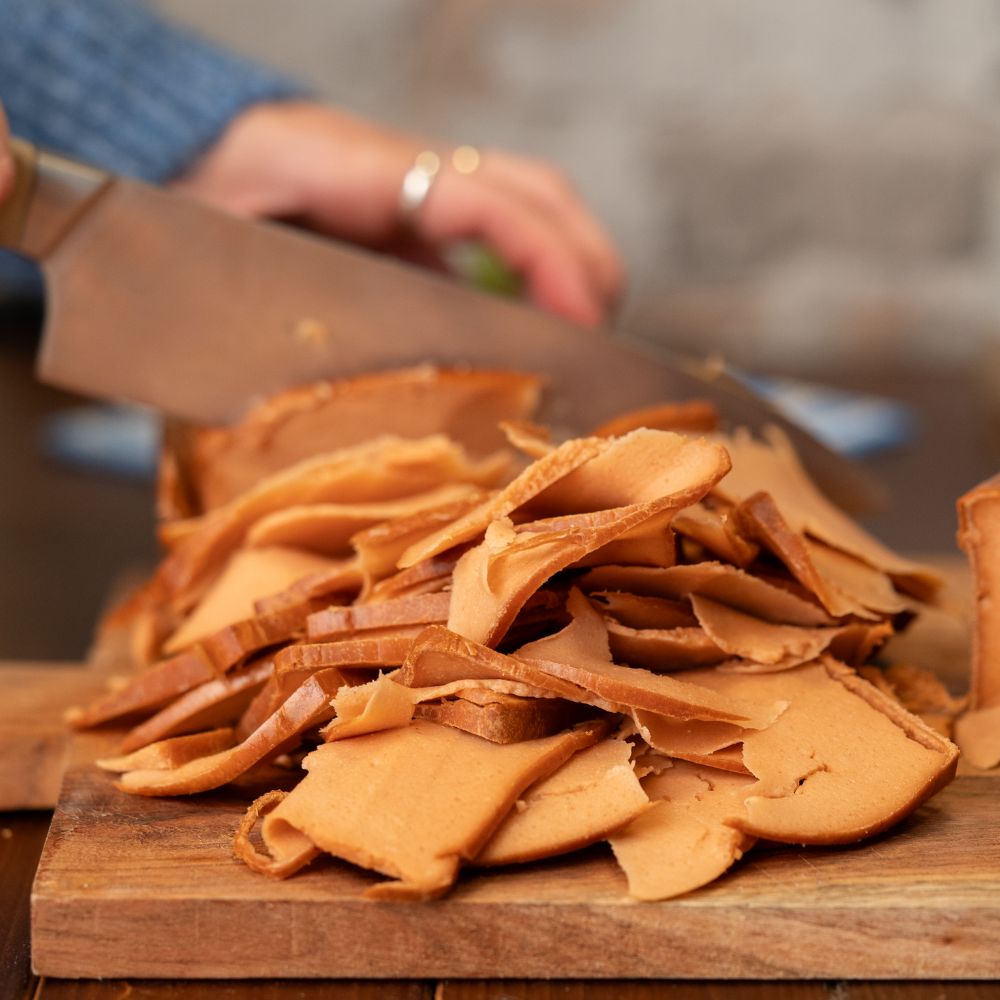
417 183
419 179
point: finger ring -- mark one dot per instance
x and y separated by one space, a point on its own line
466 159
419 179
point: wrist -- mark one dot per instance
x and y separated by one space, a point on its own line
307 161
242 171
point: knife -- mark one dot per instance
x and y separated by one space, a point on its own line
155 298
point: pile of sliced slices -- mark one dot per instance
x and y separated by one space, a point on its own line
478 647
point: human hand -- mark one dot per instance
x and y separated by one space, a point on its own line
6 158
342 175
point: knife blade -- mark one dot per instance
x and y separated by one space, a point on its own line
158 299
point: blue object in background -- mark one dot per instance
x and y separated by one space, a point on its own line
854 424
122 441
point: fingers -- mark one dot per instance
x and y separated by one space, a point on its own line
552 193
6 159
556 271
342 175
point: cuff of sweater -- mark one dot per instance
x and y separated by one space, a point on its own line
193 121
111 83
192 94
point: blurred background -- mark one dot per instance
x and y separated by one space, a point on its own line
794 185
809 189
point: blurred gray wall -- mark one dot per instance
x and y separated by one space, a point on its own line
799 185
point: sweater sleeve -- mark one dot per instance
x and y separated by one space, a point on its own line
111 83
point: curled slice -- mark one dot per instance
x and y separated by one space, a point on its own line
304 658
333 415
215 703
578 655
356 658
714 532
633 687
760 642
642 611
202 662
382 469
758 519
306 708
640 467
532 439
652 543
439 656
385 704
772 465
727 759
500 717
289 853
377 800
428 577
547 469
868 587
379 704
249 576
858 642
338 584
147 690
843 584
664 650
171 753
492 582
395 613
379 549
979 538
594 793
584 638
683 738
725 584
327 528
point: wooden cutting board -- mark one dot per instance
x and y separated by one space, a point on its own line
131 887
34 739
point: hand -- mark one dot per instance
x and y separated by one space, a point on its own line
342 175
6 159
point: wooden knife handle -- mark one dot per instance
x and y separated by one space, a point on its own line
14 210
50 194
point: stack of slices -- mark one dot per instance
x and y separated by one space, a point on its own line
475 646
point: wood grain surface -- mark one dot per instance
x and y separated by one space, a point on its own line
121 875
34 739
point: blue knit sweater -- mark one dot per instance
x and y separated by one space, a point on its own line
111 83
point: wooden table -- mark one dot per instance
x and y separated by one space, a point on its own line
63 537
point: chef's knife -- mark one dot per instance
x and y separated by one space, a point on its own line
158 299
